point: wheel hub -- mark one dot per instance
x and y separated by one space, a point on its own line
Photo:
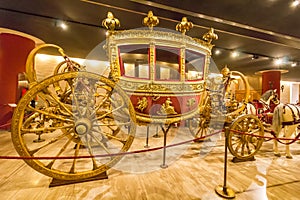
83 126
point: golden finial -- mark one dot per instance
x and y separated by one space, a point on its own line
110 22
150 20
184 26
209 36
225 71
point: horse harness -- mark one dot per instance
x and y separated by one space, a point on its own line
295 110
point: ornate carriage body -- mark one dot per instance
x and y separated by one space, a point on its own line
163 72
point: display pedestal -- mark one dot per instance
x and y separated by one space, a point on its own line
237 160
58 182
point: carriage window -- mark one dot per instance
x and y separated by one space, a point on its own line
134 61
194 65
167 63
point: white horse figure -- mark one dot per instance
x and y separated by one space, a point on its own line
250 109
270 96
286 119
265 101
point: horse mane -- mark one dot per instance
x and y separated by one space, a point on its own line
277 118
265 96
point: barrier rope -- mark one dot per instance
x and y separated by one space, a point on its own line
273 137
107 155
5 125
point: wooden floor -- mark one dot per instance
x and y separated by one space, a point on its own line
194 171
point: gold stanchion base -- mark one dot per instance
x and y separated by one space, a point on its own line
225 192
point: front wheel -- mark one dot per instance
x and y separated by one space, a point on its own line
245 136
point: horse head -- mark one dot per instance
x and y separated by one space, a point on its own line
269 97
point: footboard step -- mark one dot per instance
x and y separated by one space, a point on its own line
236 160
58 182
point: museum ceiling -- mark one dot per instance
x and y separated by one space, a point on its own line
261 31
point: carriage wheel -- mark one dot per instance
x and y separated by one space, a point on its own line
73 126
241 142
199 127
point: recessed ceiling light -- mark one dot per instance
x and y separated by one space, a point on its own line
234 54
294 64
217 52
295 3
278 61
61 24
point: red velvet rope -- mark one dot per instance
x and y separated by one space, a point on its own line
151 149
273 137
106 155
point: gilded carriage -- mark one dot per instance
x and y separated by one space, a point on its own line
82 123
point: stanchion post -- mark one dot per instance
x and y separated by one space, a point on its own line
223 190
147 138
165 131
156 134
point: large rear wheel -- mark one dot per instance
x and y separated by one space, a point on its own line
80 128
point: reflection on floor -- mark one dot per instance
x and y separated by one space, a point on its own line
194 170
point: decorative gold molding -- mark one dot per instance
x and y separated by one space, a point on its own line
163 87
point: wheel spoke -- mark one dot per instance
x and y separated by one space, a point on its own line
49 165
76 153
243 149
91 153
238 146
44 129
64 119
62 105
106 114
53 140
110 136
105 98
100 143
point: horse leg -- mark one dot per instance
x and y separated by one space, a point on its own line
275 148
288 131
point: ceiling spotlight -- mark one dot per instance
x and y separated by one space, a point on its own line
217 52
61 24
234 54
278 61
255 57
295 3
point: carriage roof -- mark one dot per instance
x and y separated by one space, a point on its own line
157 55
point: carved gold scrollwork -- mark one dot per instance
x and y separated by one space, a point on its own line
155 98
114 72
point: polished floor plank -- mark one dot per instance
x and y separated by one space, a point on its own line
193 172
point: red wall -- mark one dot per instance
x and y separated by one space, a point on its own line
13 54
271 79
